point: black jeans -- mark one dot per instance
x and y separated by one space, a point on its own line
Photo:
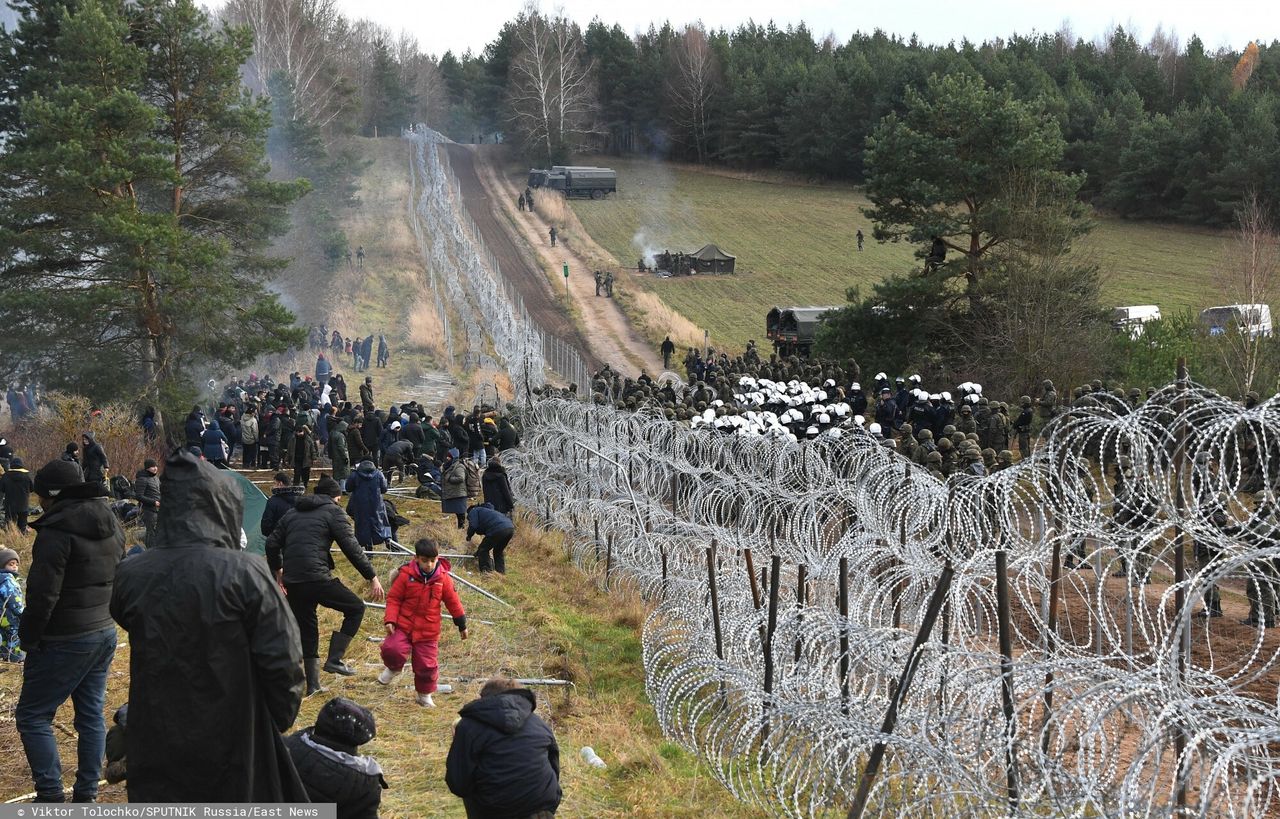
251 455
303 599
497 543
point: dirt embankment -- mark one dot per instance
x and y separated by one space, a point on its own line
608 334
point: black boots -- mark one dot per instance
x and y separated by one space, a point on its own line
337 647
311 666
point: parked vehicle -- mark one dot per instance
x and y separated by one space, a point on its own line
1130 319
594 182
794 329
1251 319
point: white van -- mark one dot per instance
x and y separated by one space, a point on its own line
1253 319
1130 319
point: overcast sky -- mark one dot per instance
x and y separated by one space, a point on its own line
457 26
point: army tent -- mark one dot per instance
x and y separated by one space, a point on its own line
255 503
711 259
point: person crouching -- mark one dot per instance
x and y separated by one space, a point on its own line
413 619
328 763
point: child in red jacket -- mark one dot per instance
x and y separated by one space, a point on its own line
413 619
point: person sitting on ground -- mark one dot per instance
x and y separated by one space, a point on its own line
412 619
326 757
504 760
117 768
497 530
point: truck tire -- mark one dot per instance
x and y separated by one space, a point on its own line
596 193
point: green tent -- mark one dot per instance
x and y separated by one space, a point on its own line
255 503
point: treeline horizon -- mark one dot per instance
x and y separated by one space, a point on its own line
1161 130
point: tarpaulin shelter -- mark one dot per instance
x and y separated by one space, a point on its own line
711 259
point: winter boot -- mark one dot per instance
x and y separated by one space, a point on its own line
425 701
311 666
387 676
338 643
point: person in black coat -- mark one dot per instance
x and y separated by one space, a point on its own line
95 463
329 764
16 487
298 555
504 760
284 496
193 428
497 487
214 655
146 491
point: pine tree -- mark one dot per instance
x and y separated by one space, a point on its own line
134 206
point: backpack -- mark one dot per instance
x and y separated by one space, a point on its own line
473 477
121 489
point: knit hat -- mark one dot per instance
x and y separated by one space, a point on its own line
148 463
56 476
328 486
16 463
7 554
345 721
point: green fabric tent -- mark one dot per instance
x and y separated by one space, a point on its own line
255 503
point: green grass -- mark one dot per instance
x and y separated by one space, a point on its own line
795 246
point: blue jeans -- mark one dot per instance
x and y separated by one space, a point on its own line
55 671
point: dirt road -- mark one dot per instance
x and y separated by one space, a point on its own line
520 242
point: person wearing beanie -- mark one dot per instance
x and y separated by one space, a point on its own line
66 629
327 758
146 491
298 554
11 606
15 490
412 619
215 672
71 454
496 531
366 394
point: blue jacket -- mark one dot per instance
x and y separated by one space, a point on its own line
366 508
11 600
323 368
214 444
485 520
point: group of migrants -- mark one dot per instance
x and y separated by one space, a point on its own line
218 646
360 350
245 636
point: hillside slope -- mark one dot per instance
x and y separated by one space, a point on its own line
795 246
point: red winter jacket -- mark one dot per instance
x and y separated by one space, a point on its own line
413 603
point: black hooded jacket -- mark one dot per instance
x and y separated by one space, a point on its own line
335 773
215 664
504 761
497 488
73 562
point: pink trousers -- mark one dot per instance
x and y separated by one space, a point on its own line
397 648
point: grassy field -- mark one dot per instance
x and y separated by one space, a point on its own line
795 246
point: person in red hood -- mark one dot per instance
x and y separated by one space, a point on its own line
413 619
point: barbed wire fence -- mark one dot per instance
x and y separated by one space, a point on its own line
836 629
467 277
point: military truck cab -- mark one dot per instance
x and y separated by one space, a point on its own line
794 329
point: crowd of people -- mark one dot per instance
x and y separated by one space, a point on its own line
225 643
22 400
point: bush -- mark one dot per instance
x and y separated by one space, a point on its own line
63 418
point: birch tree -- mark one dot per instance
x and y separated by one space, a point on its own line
692 84
550 91
1248 274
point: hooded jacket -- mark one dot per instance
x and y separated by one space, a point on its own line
94 461
16 487
214 444
300 542
497 488
366 486
215 654
335 773
338 452
484 520
414 602
73 562
504 761
455 480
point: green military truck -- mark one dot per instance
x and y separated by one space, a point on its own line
576 180
794 329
